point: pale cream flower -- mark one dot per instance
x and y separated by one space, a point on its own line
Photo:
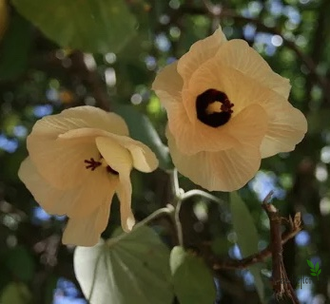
77 160
226 110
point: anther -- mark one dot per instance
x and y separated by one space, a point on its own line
92 164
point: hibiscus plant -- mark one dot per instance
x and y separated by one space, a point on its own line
162 152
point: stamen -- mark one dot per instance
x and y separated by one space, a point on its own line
226 106
92 164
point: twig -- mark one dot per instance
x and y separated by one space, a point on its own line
260 256
280 281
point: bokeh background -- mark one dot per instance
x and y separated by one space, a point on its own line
111 62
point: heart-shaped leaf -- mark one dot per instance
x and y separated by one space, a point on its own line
130 268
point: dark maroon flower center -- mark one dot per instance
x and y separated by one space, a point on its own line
93 164
213 108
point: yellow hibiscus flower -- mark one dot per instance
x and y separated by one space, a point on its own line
77 160
226 111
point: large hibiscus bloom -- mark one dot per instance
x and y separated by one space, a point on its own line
77 160
226 111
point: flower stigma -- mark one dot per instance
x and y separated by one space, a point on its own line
93 164
213 108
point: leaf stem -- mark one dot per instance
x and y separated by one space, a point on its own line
168 209
180 197
177 203
202 193
178 222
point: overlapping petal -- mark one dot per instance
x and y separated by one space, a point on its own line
119 159
76 202
87 231
238 55
169 81
285 130
200 52
124 193
48 197
60 161
144 159
93 117
226 170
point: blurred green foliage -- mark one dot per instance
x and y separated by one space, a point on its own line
59 54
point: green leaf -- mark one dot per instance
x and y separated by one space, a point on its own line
141 129
15 293
15 48
21 263
193 282
50 286
313 274
97 26
318 272
247 238
317 266
132 268
311 265
313 270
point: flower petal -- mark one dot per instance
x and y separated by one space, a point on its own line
97 189
249 126
87 231
79 117
124 193
83 133
120 160
169 80
61 161
200 52
93 117
143 158
287 127
226 170
49 198
78 202
239 55
116 156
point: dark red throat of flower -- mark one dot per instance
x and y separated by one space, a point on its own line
93 164
217 118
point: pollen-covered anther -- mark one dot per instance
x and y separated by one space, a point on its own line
226 106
